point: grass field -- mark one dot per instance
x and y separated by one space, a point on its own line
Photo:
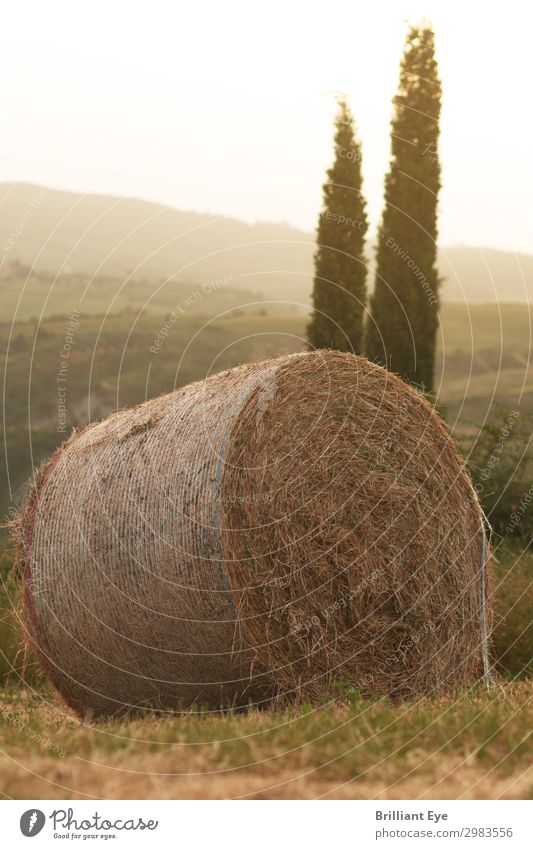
39 299
475 745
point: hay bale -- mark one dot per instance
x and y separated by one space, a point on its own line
274 529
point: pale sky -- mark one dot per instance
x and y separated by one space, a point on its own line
226 106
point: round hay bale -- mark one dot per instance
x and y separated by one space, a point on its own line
273 530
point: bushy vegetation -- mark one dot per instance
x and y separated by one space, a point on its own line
501 465
513 611
17 663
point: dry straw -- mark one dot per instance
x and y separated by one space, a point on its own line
271 531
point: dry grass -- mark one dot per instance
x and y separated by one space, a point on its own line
476 745
359 556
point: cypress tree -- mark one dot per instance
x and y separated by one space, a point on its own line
339 288
402 327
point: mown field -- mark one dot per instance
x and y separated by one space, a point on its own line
473 745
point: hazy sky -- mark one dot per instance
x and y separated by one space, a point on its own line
227 107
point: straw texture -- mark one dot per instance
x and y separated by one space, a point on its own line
272 530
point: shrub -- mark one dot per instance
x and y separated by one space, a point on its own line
513 612
501 465
16 661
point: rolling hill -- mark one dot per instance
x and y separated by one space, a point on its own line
64 232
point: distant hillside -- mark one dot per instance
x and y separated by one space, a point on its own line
112 237
482 361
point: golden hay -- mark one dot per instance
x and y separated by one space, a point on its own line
271 531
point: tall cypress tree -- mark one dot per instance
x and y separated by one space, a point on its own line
402 327
339 289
